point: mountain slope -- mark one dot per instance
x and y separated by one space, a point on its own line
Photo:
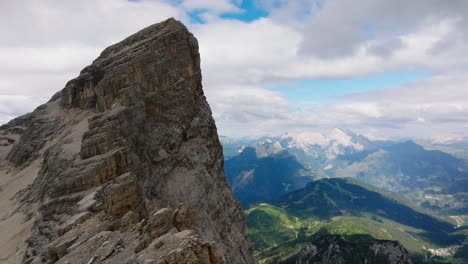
326 198
344 207
422 168
123 165
261 179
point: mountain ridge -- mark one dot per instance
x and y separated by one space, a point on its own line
260 179
435 180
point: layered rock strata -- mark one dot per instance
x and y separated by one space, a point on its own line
123 165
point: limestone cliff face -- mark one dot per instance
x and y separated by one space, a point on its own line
123 165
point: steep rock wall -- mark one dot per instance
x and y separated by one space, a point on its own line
129 168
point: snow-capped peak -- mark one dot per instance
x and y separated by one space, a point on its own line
303 140
331 145
340 137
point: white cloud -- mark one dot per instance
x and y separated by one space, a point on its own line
47 43
217 7
14 105
426 108
265 51
249 110
237 52
363 109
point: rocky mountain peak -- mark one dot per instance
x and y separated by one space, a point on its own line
124 165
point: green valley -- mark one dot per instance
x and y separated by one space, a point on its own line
347 208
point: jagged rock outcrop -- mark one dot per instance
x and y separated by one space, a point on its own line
123 165
358 249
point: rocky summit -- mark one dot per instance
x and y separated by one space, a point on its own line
123 165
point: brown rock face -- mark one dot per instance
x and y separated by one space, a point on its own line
125 162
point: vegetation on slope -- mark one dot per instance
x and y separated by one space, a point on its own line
343 207
262 179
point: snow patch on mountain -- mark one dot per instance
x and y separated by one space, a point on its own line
304 140
320 146
337 142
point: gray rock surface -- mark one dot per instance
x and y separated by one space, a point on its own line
336 249
128 161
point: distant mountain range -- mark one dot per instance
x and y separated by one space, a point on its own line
455 145
434 179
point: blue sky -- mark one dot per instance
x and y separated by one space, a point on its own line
325 91
391 69
251 11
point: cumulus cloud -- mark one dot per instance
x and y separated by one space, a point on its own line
350 24
420 109
215 7
266 52
14 105
46 43
425 108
